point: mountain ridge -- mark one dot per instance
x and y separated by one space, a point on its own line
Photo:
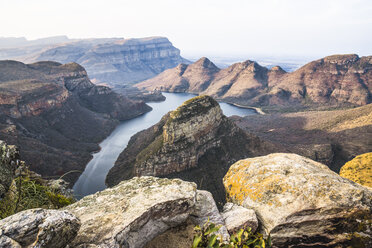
336 80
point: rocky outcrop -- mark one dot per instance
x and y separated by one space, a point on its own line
133 212
301 202
56 115
9 156
195 142
337 80
39 228
237 217
359 169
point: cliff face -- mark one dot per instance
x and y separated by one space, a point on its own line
195 142
56 115
116 62
334 80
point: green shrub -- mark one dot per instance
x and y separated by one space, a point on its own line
26 193
206 237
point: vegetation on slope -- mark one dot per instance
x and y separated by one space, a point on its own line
28 192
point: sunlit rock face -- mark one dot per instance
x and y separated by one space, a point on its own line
301 202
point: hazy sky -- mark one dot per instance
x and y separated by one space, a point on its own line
204 27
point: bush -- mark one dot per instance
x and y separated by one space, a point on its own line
26 193
206 237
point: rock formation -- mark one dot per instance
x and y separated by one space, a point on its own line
196 142
133 212
301 202
56 115
38 228
113 61
359 169
336 80
330 137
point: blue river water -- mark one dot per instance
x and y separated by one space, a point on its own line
93 177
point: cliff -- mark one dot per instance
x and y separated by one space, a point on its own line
56 115
195 142
338 80
115 62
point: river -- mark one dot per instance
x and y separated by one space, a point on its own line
93 177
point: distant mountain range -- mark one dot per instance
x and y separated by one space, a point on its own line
114 61
56 115
338 80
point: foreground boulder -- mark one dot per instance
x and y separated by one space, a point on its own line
134 212
301 202
38 228
359 169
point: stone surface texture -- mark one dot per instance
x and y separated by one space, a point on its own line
359 169
206 211
133 212
301 202
38 228
237 217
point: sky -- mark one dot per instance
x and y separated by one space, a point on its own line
313 28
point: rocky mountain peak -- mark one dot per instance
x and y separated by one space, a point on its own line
204 62
194 107
277 68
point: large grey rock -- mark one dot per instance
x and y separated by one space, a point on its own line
237 217
206 209
38 228
134 212
302 203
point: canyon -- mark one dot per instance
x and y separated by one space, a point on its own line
195 142
57 116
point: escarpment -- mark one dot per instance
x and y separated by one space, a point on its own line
113 61
195 142
333 81
56 115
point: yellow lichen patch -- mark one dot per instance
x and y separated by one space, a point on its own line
359 169
239 186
